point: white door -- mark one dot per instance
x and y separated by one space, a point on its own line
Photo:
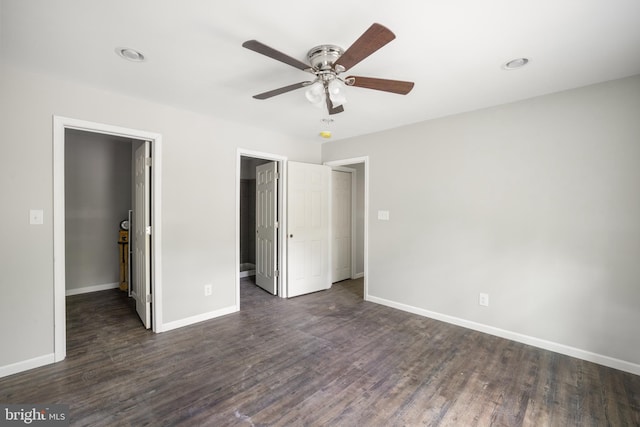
141 230
266 226
340 225
308 228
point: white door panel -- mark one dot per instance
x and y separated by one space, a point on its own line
141 287
341 225
266 230
308 228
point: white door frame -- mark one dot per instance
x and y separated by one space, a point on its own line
337 164
59 125
282 217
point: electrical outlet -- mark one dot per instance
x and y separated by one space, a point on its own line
208 290
484 300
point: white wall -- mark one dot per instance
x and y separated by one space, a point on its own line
536 203
198 200
97 198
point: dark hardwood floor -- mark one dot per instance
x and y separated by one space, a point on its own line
328 358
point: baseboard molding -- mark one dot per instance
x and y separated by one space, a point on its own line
600 359
358 275
196 319
247 273
93 288
25 365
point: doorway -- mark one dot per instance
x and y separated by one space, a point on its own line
358 168
153 300
259 249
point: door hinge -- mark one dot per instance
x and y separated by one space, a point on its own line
148 161
148 231
148 299
276 225
276 273
277 175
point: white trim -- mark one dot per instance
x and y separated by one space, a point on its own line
92 288
282 220
514 336
198 318
247 273
353 161
59 125
358 275
25 365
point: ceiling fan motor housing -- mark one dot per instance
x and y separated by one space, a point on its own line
322 57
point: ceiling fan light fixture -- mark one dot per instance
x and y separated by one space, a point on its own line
315 94
337 92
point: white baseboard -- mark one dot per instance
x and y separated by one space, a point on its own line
93 288
25 365
196 319
247 273
514 336
358 275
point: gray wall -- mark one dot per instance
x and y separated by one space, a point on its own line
97 198
536 203
198 199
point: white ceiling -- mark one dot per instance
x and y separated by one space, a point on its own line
452 49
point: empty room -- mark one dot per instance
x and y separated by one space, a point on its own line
340 213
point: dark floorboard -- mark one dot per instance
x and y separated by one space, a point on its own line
328 358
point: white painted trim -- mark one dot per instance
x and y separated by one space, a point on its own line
358 275
282 203
352 161
59 125
199 318
25 365
247 273
514 336
92 288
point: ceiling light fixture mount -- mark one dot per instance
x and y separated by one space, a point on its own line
130 54
515 64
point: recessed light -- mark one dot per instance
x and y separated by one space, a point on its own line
514 64
130 54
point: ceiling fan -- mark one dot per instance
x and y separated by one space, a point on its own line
327 62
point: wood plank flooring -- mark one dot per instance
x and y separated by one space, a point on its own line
328 358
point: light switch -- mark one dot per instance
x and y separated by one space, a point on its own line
36 217
383 215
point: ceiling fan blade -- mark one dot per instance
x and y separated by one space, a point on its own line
281 90
330 108
371 40
395 86
256 46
